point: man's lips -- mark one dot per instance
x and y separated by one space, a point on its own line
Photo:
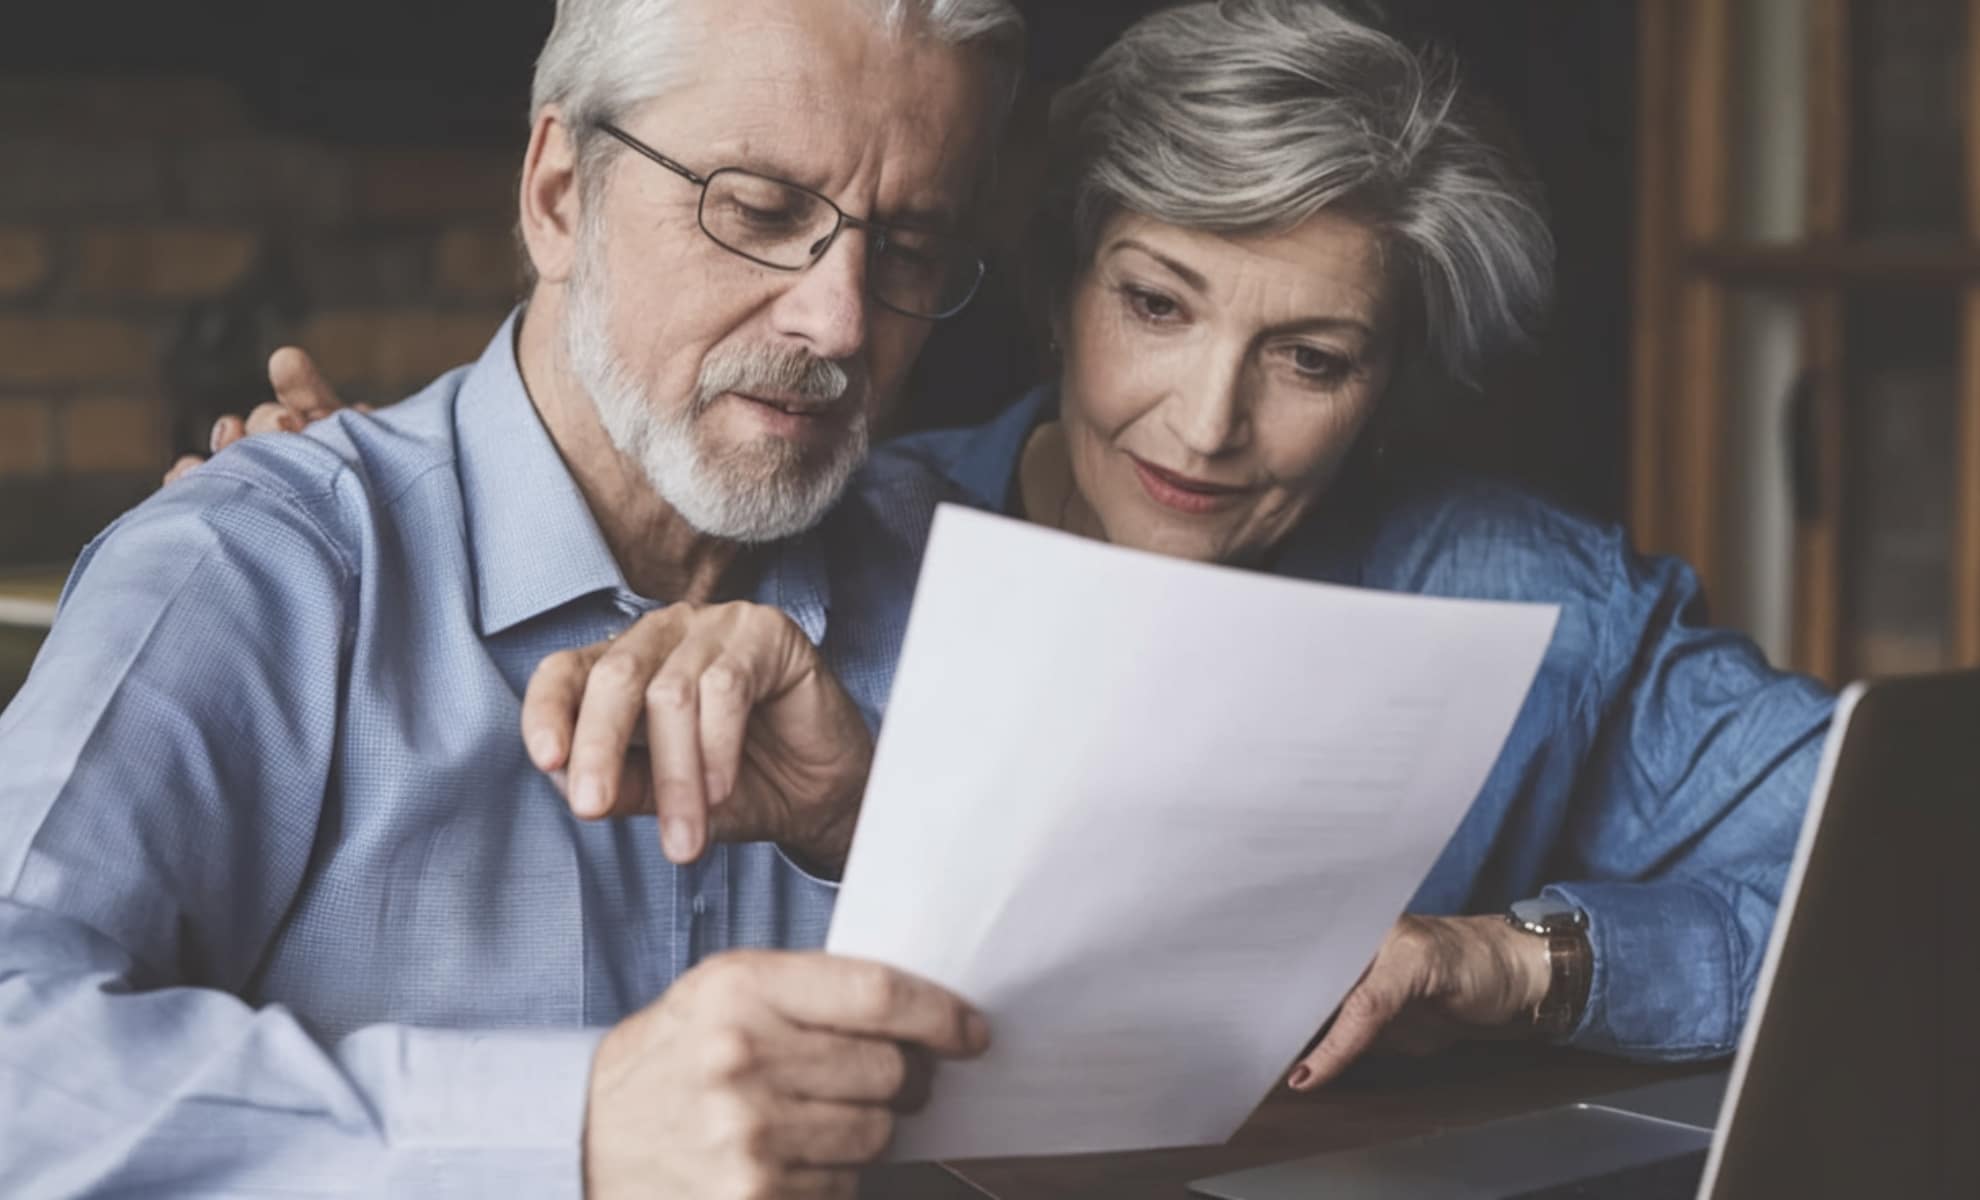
1183 493
796 406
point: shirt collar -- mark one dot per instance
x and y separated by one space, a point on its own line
986 466
797 580
532 538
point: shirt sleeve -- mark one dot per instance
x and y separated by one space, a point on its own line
1685 817
166 764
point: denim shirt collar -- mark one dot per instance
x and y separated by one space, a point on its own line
985 466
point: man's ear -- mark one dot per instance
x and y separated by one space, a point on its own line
551 202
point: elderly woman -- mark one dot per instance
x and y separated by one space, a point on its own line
1271 234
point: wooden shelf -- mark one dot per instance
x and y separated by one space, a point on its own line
1922 264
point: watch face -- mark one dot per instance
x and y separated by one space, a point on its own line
1544 914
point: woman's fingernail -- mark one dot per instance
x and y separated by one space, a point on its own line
589 799
1299 1077
713 783
680 839
213 439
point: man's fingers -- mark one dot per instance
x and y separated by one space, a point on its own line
814 1065
867 999
762 656
550 705
823 1133
299 386
673 739
180 469
612 708
728 693
272 418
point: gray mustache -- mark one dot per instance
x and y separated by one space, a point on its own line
793 372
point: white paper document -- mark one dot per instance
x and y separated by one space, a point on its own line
1154 819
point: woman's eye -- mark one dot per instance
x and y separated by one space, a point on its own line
1152 306
1320 365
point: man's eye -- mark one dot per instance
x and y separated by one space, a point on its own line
776 217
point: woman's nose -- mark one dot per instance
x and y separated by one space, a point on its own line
1208 415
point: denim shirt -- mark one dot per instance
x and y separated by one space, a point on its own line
1655 778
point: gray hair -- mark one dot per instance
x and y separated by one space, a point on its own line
1249 116
606 57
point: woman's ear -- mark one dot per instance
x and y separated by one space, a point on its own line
551 200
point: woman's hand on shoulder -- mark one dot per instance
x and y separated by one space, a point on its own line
302 397
1436 981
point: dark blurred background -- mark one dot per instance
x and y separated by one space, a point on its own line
1758 356
191 183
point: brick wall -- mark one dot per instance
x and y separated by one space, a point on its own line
156 241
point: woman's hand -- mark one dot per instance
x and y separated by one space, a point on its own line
302 397
748 735
1436 980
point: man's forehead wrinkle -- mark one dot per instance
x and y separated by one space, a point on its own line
828 153
826 104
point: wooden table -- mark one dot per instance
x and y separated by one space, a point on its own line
1381 1101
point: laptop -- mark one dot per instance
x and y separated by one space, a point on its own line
1858 1073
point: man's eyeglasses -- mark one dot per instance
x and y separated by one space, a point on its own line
780 225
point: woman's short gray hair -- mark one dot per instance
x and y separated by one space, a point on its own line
1247 116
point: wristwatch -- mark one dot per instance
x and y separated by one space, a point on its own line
1570 961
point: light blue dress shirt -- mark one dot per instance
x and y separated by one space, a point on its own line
284 909
1656 776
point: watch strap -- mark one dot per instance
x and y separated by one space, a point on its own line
1571 969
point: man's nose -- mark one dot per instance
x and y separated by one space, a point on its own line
827 307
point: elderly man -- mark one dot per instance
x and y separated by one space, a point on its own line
283 904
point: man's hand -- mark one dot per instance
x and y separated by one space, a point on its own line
764 1074
302 396
1436 980
748 736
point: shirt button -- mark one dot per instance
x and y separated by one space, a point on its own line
700 905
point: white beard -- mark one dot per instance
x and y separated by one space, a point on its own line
757 492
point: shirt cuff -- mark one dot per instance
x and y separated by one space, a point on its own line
1670 981
482 1113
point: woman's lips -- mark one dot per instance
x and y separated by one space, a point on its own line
1180 493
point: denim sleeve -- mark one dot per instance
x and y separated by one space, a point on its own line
1685 816
166 764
